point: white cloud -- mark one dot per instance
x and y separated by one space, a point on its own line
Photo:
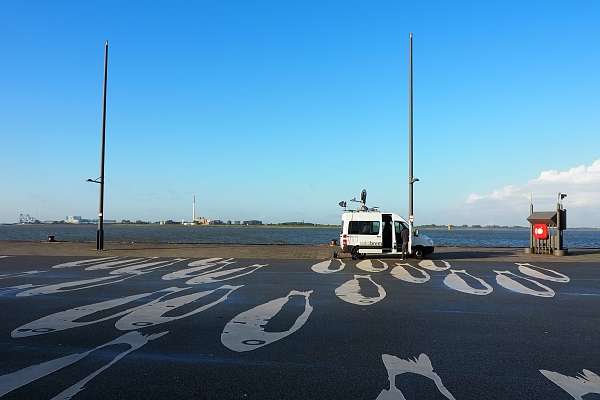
509 204
506 193
580 175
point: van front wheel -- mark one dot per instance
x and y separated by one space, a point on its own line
355 253
419 253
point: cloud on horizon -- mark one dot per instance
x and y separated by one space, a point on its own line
510 204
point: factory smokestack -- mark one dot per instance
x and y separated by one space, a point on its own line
194 209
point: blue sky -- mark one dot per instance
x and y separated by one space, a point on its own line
278 110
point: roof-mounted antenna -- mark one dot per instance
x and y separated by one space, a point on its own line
362 201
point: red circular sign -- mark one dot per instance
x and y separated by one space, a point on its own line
540 231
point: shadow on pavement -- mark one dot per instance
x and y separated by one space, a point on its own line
457 255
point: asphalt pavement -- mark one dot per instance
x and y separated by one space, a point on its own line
218 328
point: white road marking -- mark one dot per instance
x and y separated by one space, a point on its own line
114 264
454 281
367 265
585 383
421 366
205 261
532 271
19 274
13 289
323 267
6 256
432 266
350 291
74 285
503 279
198 266
225 275
246 331
401 271
153 313
65 320
22 377
139 269
83 262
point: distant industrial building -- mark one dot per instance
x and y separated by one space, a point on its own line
197 220
76 219
252 222
27 219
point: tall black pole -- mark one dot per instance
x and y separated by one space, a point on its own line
411 178
100 232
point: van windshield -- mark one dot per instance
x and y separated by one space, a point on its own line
363 228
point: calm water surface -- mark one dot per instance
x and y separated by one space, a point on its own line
575 238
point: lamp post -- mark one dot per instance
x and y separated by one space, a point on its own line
100 179
100 231
411 178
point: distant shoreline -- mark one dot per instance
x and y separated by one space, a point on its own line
317 226
186 226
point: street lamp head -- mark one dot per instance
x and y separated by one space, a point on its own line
89 180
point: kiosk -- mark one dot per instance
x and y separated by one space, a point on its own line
546 230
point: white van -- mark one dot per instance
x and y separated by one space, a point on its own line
366 232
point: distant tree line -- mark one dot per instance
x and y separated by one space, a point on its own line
464 226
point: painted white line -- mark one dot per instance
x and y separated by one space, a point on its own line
368 266
350 291
198 268
503 279
421 366
454 281
19 274
14 289
578 386
22 377
74 285
83 262
532 271
67 319
225 275
323 267
432 266
205 261
6 256
246 331
115 264
140 269
402 272
153 313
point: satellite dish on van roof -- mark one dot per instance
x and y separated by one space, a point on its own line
363 196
